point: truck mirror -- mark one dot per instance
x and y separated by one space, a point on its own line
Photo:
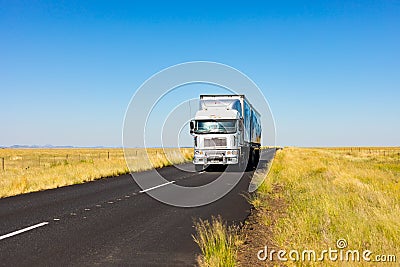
191 127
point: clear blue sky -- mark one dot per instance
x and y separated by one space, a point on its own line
329 69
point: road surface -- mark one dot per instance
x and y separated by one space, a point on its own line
110 222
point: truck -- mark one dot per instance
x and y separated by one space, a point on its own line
226 131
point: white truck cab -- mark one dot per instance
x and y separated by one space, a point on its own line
222 131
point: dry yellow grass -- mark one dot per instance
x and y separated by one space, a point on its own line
218 243
28 170
337 193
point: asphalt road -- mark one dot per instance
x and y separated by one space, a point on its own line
110 222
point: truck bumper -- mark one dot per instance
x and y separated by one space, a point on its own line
223 157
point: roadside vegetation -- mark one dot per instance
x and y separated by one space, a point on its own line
314 197
28 170
218 243
344 199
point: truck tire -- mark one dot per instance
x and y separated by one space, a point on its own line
199 167
240 167
250 164
257 157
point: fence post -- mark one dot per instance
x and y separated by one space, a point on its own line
2 163
108 154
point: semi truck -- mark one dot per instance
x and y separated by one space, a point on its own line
226 131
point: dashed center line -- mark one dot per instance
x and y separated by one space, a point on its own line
157 186
23 230
74 214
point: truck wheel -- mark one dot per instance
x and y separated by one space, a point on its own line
250 163
257 157
242 166
199 167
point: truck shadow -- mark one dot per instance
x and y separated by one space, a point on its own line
216 168
232 168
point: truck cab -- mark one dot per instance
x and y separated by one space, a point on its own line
219 132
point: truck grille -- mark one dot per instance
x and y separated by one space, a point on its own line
215 142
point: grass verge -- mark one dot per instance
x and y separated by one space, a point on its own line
327 195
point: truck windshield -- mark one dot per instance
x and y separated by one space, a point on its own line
211 126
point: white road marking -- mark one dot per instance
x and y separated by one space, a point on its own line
157 186
23 230
110 202
56 219
87 209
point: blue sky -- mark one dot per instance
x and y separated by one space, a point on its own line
330 70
